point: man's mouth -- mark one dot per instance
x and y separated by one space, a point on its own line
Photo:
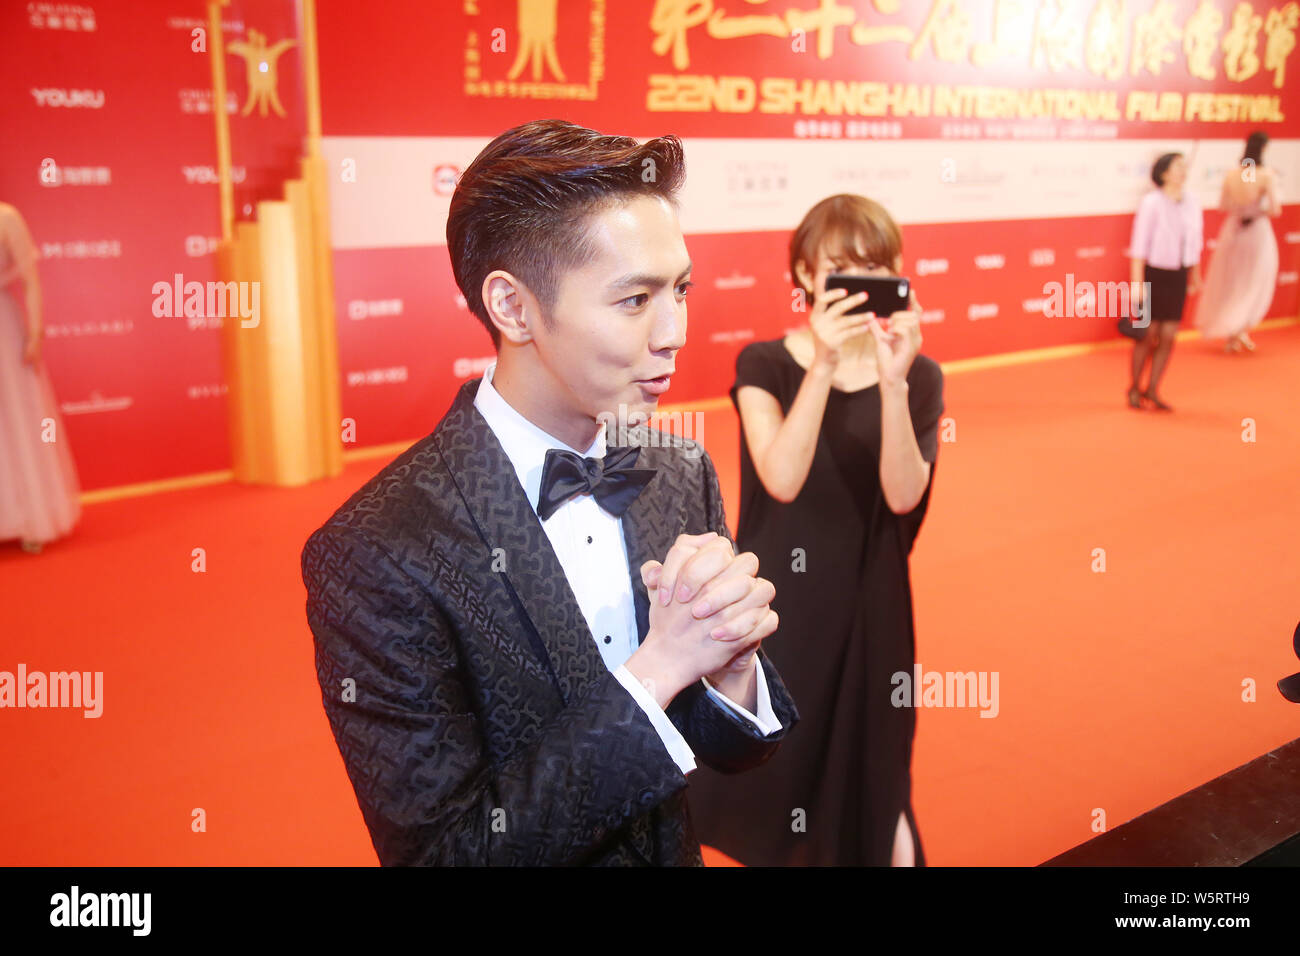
656 386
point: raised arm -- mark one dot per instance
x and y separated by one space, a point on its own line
720 738
391 681
782 446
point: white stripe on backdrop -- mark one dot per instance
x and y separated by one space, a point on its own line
385 190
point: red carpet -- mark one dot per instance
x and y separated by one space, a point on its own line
1117 690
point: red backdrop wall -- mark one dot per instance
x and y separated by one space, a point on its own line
1011 141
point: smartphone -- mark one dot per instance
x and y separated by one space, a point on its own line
885 294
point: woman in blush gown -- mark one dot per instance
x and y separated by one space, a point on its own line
39 492
1242 277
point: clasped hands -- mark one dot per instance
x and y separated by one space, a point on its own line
708 615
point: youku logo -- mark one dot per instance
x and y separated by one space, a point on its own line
684 430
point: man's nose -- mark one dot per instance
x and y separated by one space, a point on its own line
669 331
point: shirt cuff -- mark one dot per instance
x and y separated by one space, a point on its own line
676 744
765 720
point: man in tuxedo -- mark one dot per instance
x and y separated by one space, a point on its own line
531 625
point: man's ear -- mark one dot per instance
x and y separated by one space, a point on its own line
898 264
510 306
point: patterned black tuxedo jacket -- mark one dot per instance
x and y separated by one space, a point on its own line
478 723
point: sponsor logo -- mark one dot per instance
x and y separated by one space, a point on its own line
72 17
97 403
207 391
262 64
445 178
361 309
201 245
749 178
732 335
206 175
378 376
733 281
69 99
200 101
82 249
469 367
52 174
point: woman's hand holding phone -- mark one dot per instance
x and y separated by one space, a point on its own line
898 340
831 328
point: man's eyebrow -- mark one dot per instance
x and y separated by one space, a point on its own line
645 279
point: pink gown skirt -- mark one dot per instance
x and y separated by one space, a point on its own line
1241 279
39 491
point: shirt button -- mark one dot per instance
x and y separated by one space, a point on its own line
588 539
608 638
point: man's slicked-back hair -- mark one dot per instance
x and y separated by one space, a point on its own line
524 203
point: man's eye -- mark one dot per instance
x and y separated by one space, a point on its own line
685 287
633 299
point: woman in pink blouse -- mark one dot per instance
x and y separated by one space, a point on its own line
1165 248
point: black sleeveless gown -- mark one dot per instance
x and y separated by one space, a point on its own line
838 557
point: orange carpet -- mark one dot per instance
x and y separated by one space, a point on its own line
1117 690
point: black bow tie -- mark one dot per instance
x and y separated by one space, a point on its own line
612 481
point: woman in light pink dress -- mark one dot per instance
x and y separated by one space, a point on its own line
39 493
1242 277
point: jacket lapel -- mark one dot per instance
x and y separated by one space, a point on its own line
512 532
647 534
559 633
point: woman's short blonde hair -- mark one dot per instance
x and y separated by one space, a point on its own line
859 228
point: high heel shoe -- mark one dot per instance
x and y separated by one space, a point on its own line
1157 402
1232 345
1247 341
1134 398
32 547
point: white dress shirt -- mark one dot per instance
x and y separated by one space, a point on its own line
589 543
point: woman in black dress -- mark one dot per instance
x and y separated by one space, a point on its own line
840 435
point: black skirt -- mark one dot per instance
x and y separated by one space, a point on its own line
1168 292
